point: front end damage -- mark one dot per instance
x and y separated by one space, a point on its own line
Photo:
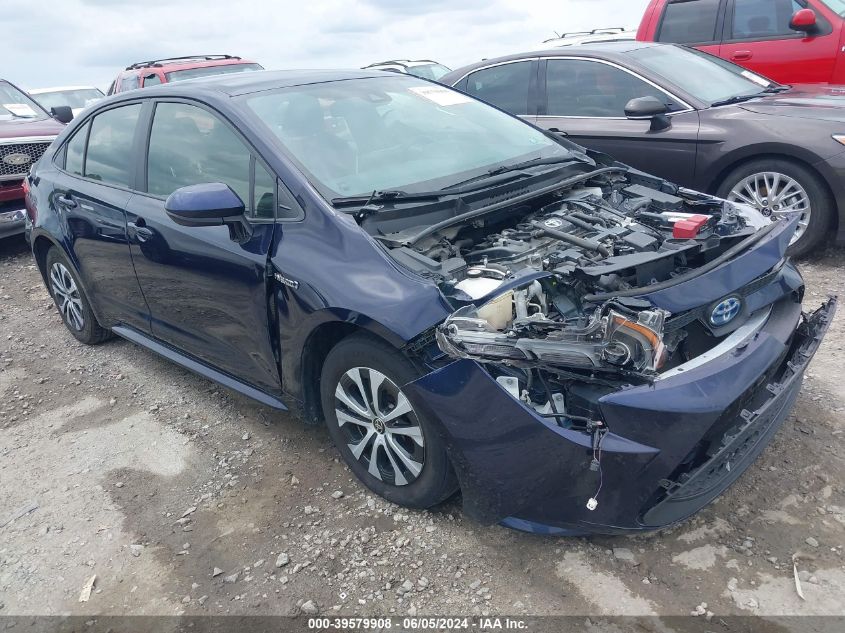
617 356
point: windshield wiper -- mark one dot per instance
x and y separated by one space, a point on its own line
776 88
735 99
504 169
393 195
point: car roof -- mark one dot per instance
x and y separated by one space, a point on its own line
38 91
407 63
614 51
257 81
189 61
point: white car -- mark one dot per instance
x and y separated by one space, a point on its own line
616 34
424 68
77 97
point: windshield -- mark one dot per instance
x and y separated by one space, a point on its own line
704 76
14 104
74 98
358 136
428 71
208 71
836 5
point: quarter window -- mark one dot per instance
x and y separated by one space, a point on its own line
188 146
75 152
505 86
109 154
760 19
689 22
264 193
593 89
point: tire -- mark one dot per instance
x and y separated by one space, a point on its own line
423 477
71 300
811 194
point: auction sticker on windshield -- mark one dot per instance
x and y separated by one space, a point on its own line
757 79
440 96
20 109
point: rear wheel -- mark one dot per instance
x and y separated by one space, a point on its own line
389 445
71 300
777 187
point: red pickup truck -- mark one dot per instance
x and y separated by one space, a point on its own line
790 41
26 131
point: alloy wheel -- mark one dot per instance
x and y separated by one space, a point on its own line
774 194
67 296
381 429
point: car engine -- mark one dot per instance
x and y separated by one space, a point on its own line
554 287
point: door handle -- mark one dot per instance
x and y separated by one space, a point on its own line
558 131
139 231
741 56
67 202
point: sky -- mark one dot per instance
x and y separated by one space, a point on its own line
69 42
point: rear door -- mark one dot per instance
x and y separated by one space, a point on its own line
206 288
586 98
758 37
92 189
696 23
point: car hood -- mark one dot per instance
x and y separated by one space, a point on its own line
17 128
820 102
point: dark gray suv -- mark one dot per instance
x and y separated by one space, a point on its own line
687 116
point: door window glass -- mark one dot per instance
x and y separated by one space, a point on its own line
505 86
188 146
75 152
689 22
151 80
130 82
757 19
593 89
109 154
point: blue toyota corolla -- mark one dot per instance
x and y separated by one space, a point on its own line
468 302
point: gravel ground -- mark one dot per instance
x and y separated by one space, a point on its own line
178 496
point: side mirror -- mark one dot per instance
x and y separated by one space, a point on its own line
643 108
62 114
804 20
209 204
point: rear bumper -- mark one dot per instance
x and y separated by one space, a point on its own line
12 219
673 446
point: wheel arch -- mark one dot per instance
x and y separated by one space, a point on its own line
799 157
42 242
319 343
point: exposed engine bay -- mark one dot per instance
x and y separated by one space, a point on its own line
552 291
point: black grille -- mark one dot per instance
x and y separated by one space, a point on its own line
17 158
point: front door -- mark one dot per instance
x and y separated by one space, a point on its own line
758 37
586 98
206 286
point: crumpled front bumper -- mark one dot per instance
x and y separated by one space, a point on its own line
526 472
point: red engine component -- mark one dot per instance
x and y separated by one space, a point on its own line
688 228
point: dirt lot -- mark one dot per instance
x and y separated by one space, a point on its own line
182 497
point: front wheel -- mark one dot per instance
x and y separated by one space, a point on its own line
777 187
392 448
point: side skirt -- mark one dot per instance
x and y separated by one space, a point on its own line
197 367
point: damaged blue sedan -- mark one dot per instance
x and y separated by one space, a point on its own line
469 303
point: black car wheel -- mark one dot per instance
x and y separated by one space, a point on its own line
389 446
777 187
70 299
